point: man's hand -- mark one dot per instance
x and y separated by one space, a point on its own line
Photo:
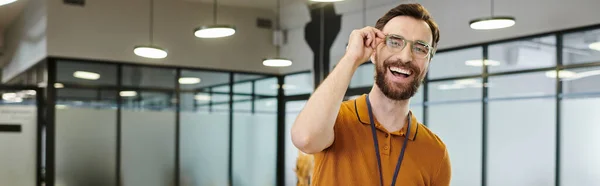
362 44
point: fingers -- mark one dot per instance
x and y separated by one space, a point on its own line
373 36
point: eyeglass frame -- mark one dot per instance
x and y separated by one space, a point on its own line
431 48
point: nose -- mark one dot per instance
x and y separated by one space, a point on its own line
404 56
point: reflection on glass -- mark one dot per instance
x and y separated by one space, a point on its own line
523 54
462 89
462 136
522 85
86 121
521 142
457 63
202 80
581 47
579 136
134 76
582 80
72 72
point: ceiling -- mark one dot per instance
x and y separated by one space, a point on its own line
9 12
263 4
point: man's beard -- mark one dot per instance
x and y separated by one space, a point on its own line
393 90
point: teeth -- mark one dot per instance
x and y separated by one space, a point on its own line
399 70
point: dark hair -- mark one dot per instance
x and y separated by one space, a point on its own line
416 11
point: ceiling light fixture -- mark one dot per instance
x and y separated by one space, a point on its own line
201 97
85 75
150 51
278 61
215 30
189 80
479 62
5 2
595 46
492 22
59 85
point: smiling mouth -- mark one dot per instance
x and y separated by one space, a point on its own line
400 72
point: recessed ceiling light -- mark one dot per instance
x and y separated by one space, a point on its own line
5 2
595 46
189 80
86 75
278 62
561 74
8 96
127 93
59 85
479 62
492 23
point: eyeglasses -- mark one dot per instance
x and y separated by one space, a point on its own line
420 49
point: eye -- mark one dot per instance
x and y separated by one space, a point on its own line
395 42
421 49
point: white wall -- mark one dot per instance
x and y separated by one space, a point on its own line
110 29
17 160
25 40
452 16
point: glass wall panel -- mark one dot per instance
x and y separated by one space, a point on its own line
581 80
204 133
521 132
462 89
148 77
86 137
292 109
254 141
581 47
299 84
148 127
364 76
533 84
456 63
455 115
269 87
523 54
18 148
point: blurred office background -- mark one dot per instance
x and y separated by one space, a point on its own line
515 106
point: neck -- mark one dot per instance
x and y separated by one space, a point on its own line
392 114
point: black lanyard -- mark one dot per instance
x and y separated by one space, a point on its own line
373 130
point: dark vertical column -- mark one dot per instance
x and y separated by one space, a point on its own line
320 34
39 94
177 124
118 177
230 170
254 95
559 66
484 116
280 132
50 123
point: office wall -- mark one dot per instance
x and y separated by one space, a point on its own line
452 16
26 40
17 160
109 30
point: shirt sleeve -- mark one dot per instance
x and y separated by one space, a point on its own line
444 172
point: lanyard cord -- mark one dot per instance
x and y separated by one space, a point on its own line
376 142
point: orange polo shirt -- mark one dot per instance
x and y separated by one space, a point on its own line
351 159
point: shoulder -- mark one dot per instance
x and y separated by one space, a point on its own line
437 151
425 135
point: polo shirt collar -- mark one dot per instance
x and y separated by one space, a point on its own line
362 113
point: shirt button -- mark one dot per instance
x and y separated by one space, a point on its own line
385 147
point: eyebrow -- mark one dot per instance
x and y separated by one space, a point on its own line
418 40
